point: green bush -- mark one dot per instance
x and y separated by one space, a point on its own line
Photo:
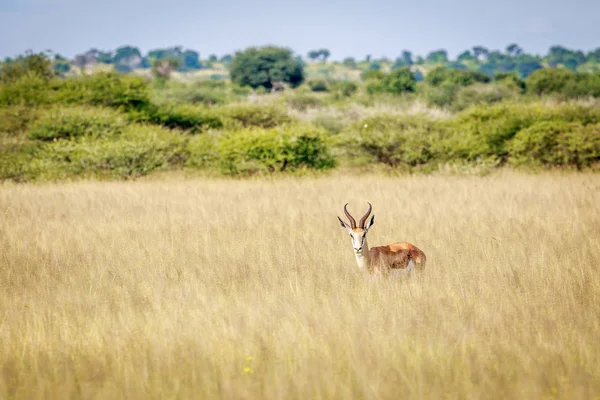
550 81
331 123
455 77
263 66
202 150
399 140
27 90
481 93
557 144
285 148
318 85
137 151
30 63
247 115
123 92
510 79
400 80
188 117
63 122
564 83
344 89
439 96
17 161
15 120
484 131
584 85
303 101
196 95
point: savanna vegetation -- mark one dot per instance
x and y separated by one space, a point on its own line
272 117
211 288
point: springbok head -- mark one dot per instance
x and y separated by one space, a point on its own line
358 233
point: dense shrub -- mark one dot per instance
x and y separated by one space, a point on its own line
202 150
510 79
188 117
557 143
104 89
439 96
399 140
27 90
400 80
263 66
260 115
15 120
480 93
137 151
38 64
456 77
63 122
485 131
331 123
123 92
303 101
289 147
343 89
550 80
318 85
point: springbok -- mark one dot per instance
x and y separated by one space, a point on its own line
399 258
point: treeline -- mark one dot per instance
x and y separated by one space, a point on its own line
109 125
479 59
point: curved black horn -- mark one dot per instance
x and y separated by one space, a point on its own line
364 218
352 220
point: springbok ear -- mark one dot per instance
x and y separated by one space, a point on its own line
370 223
344 225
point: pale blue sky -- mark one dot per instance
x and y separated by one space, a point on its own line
347 28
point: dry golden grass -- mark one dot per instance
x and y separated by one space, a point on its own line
248 289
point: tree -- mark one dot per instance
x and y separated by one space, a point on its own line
162 69
594 55
256 67
36 63
400 80
438 56
513 50
510 78
456 77
405 60
349 62
127 58
79 61
226 59
190 60
550 80
314 54
465 56
480 52
324 54
526 68
213 58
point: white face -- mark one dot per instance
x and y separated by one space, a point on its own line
358 235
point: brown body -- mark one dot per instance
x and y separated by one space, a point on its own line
399 258
396 256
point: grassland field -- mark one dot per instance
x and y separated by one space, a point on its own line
245 289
